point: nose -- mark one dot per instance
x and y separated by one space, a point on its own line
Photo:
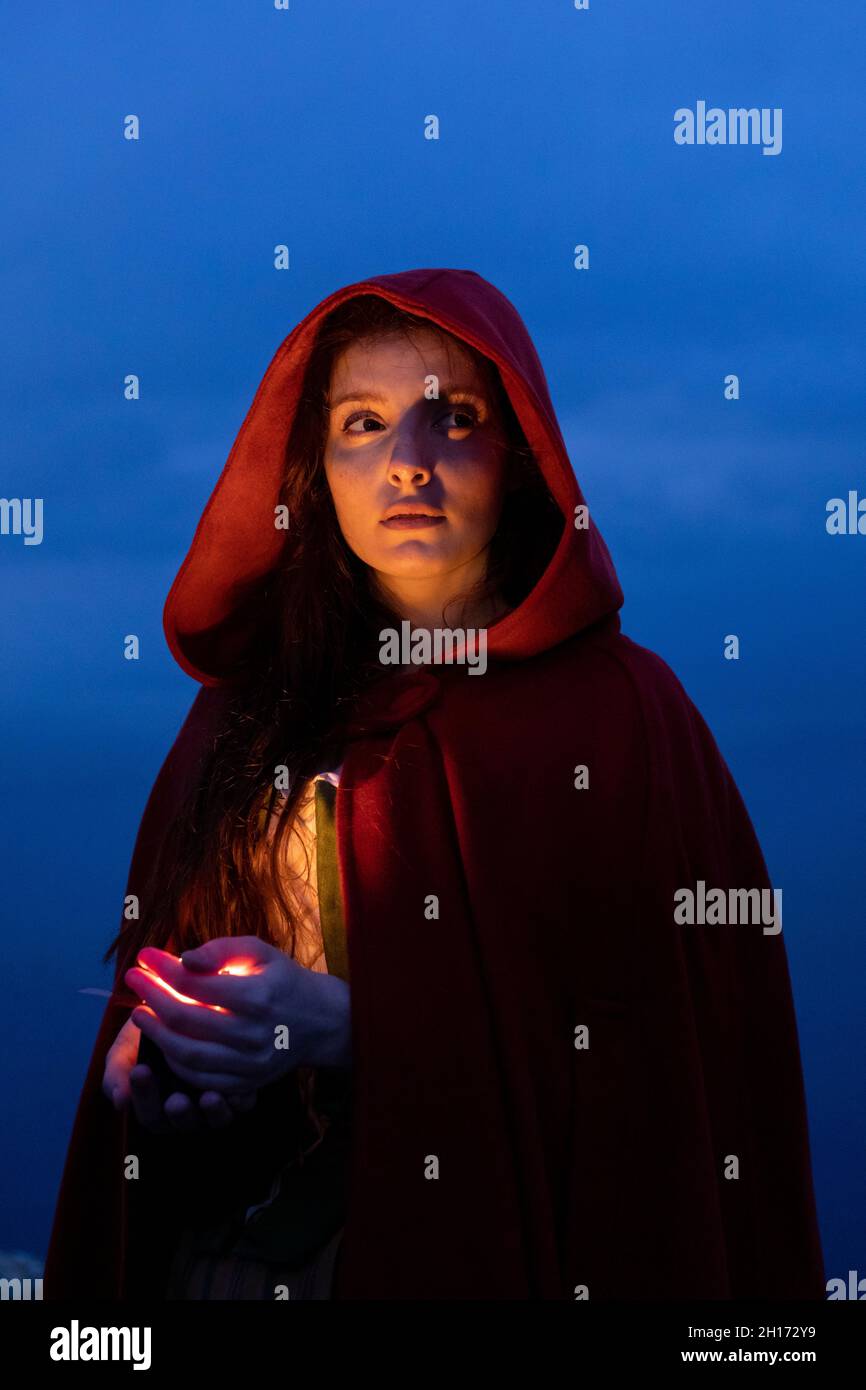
405 470
411 459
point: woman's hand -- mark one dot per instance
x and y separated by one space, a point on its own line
238 1013
125 1082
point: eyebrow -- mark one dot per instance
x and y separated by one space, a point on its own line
362 394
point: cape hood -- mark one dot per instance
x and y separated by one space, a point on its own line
552 1079
207 616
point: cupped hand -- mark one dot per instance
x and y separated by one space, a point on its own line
125 1083
237 1013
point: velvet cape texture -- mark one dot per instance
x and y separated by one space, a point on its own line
561 1171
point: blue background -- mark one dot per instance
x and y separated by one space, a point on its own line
306 127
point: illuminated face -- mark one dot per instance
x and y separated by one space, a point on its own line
418 485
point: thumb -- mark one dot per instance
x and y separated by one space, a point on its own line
223 951
209 957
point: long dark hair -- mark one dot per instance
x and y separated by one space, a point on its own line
316 651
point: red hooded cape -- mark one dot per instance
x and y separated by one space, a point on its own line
604 1168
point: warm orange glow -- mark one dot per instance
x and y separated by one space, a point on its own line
239 967
183 998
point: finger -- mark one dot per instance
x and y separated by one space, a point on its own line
191 1020
120 1059
181 1113
124 1050
216 1110
161 992
239 955
115 1085
145 1099
243 1101
194 1058
125 1045
218 990
115 1089
115 1079
226 1083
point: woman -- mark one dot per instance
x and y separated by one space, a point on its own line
524 1077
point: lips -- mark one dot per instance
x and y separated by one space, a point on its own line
412 521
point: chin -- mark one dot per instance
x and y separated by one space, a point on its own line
422 563
419 567
414 556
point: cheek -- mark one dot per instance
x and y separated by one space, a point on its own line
354 504
483 491
346 487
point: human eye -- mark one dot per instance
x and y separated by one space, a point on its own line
363 416
466 411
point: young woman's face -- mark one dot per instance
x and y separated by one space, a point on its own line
390 450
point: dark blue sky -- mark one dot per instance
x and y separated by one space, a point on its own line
261 127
